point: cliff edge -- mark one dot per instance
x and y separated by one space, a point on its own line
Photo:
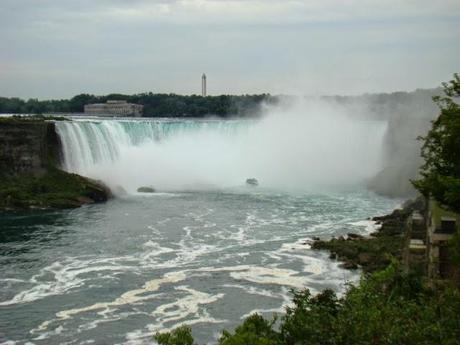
30 177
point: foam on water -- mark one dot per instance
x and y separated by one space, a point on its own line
265 275
369 226
183 307
255 291
145 265
66 277
128 297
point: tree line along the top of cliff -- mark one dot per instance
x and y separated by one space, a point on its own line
158 105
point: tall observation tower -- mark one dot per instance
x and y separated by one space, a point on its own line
203 85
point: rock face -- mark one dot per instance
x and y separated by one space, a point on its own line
252 182
145 190
394 181
408 116
29 173
27 146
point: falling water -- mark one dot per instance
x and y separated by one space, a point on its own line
206 258
293 149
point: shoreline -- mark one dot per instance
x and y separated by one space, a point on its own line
376 250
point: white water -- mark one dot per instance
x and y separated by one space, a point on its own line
303 146
147 263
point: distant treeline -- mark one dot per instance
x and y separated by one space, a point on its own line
155 105
379 105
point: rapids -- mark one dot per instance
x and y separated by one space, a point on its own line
205 250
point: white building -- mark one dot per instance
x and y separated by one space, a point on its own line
114 108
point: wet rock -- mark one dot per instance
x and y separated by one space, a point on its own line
349 265
353 236
364 258
145 189
376 251
252 182
97 190
29 167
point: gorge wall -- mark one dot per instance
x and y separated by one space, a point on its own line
27 147
409 116
409 119
30 174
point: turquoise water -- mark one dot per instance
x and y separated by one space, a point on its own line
204 250
285 151
116 273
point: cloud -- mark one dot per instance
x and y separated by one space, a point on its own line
233 11
276 12
289 46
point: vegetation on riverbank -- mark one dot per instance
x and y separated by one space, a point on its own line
441 151
375 252
392 305
440 174
386 308
29 173
369 253
54 189
18 119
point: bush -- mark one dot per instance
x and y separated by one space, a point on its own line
386 308
255 330
441 151
180 336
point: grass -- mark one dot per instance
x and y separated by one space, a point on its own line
19 119
55 189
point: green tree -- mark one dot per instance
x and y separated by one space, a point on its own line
180 336
77 103
440 174
255 330
388 307
312 320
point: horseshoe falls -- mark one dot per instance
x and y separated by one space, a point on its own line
204 250
289 151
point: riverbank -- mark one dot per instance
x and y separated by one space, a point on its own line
55 189
388 307
390 304
376 251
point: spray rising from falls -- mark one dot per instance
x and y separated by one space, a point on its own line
297 147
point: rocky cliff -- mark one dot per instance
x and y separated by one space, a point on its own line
27 146
29 169
409 116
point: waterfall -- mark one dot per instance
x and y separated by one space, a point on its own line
89 145
287 149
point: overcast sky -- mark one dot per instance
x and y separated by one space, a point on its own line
59 48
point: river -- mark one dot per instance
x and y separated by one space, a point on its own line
204 250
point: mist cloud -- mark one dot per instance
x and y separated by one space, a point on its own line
297 145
